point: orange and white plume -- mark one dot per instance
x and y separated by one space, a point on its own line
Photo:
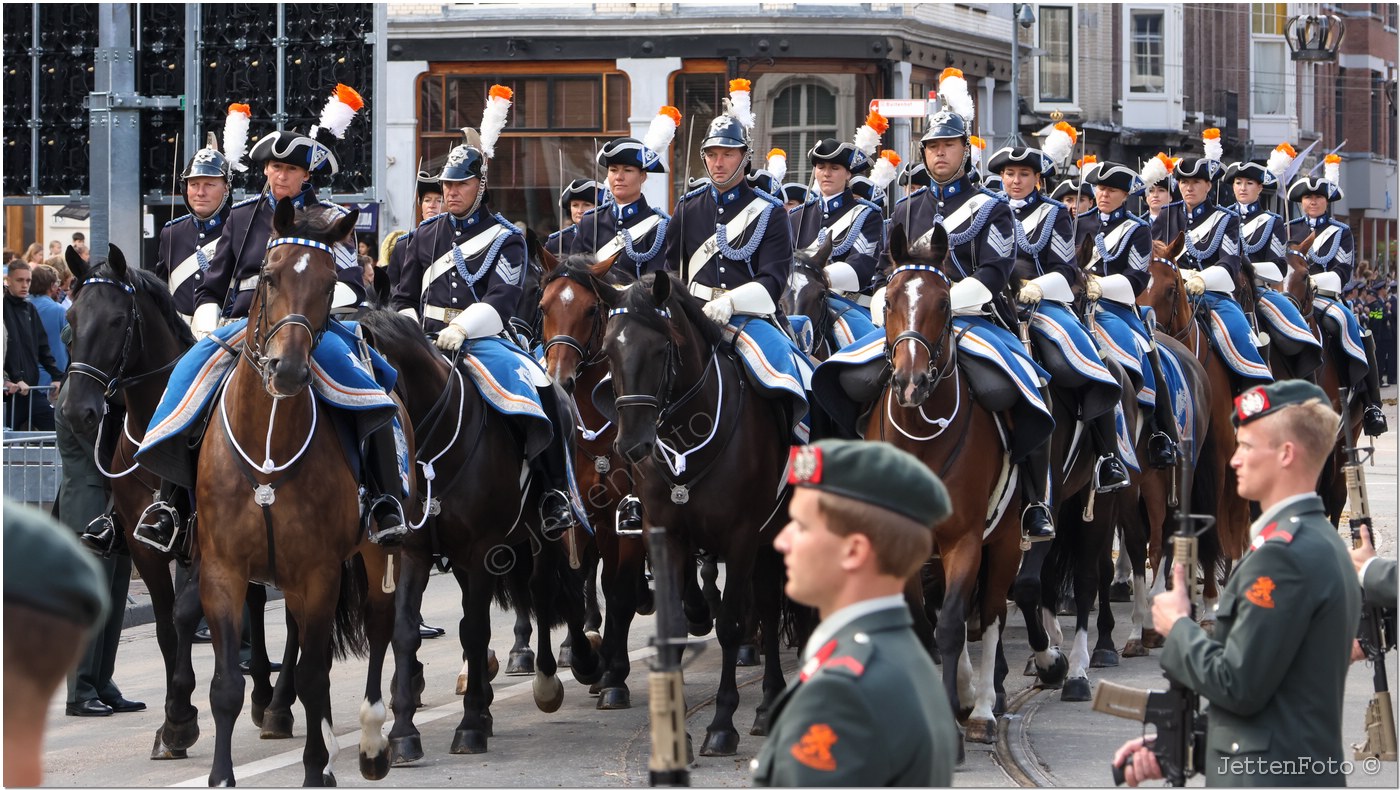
1280 159
978 146
1059 144
1086 164
339 111
1332 169
236 135
493 119
777 164
663 129
884 170
740 102
1210 141
1156 170
953 88
868 136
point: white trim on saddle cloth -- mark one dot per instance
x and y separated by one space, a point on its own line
1082 359
204 383
1347 320
1183 403
1132 358
1234 354
1124 434
1022 373
499 396
1271 307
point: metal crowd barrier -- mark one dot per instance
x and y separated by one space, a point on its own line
32 468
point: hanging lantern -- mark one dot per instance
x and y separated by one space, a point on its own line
1315 38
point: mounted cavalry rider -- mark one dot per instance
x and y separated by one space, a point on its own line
1211 260
627 226
289 160
1264 244
854 226
1045 273
396 244
981 253
463 273
577 199
1118 274
188 243
1330 261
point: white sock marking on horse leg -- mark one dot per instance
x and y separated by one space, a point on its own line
1142 614
1052 626
372 741
967 689
1123 566
1079 656
987 699
332 747
301 264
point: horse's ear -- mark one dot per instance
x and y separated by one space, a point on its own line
539 252
601 268
661 288
79 267
1178 244
609 295
819 257
284 217
938 245
344 227
116 261
898 251
1304 245
1085 253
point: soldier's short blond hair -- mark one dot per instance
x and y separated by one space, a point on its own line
1311 425
900 543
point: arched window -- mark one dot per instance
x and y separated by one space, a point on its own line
802 114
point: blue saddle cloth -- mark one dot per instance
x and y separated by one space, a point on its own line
776 364
1290 332
1184 408
1340 322
1231 335
1124 338
852 320
1069 354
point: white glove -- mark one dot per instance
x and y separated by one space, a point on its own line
1030 293
478 320
877 307
720 309
1195 285
1092 289
206 320
451 338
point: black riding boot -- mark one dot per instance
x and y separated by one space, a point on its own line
384 520
1110 473
103 537
1162 444
159 526
629 516
1372 419
1036 521
556 510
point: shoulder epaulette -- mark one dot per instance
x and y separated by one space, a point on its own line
556 234
507 224
593 210
246 201
998 196
177 220
869 204
660 213
696 191
768 197
431 220
1271 533
918 191
1054 202
846 657
328 204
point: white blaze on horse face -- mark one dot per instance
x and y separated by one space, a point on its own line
621 338
302 263
912 291
566 295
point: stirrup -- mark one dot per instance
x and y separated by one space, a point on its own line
100 536
1373 421
1048 533
1162 452
1117 477
147 529
629 517
388 536
556 514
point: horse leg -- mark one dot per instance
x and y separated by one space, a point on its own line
1134 547
522 658
476 725
721 737
259 666
222 595
622 564
1084 573
1121 588
709 584
314 617
177 613
379 628
405 743
278 717
768 604
961 561
1027 590
1105 654
1003 560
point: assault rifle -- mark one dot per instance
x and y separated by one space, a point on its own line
669 765
1376 632
1175 713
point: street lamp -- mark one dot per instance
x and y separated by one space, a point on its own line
1024 16
1315 38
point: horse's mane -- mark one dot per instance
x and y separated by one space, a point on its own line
578 268
316 222
823 321
389 329
640 306
149 284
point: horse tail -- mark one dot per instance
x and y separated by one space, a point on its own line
564 581
512 590
348 636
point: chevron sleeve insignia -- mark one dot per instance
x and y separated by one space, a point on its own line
1001 245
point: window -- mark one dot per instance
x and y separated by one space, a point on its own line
802 114
1055 66
555 125
1146 70
1270 73
1268 19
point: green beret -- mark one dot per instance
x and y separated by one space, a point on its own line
1266 399
48 570
874 472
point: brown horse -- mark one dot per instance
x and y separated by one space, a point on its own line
127 337
928 409
575 325
293 520
1214 490
680 391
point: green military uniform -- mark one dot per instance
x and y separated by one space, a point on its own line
868 709
1275 670
1378 581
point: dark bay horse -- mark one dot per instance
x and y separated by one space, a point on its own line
682 393
293 520
482 515
127 337
808 294
575 325
928 410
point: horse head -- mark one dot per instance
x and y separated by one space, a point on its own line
658 342
104 321
1297 284
1166 288
806 291
918 315
295 289
574 314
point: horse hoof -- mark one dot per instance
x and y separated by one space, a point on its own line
1103 657
1067 608
1076 690
374 768
566 656
405 750
760 724
521 662
469 742
699 629
748 656
328 780
1120 592
999 707
596 687
963 715
981 731
549 692
179 737
277 726
646 602
588 678
488 724
1152 639
162 752
615 698
257 710
1052 676
720 743
1134 649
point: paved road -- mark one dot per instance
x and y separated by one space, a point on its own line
1045 741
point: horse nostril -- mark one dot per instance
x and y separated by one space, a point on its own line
568 385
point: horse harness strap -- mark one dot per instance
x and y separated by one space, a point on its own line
264 494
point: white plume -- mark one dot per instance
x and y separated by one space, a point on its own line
1278 164
867 140
777 165
882 173
976 158
741 107
1152 173
493 121
1332 171
1213 149
236 137
1058 146
953 89
660 134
